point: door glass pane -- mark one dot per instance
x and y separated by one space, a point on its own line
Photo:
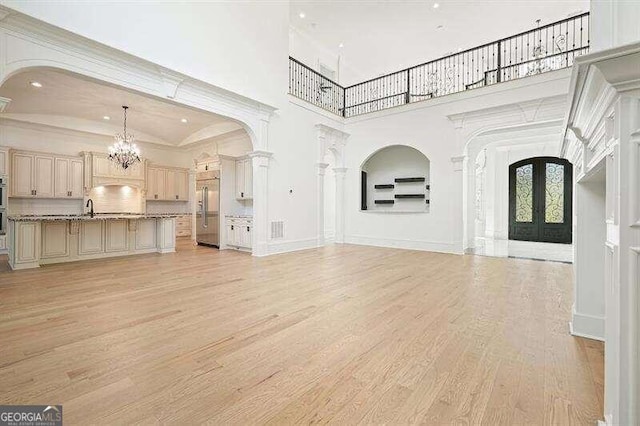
524 193
554 193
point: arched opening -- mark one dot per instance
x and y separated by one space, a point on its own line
540 200
396 179
74 117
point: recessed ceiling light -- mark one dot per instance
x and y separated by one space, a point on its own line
341 45
36 84
440 27
302 15
184 120
106 117
459 49
436 5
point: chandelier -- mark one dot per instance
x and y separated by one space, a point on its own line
124 152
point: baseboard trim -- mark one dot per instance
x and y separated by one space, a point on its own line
421 245
588 326
291 245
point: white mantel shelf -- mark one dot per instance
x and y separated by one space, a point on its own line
40 240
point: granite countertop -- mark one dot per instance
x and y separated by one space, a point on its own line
97 216
239 216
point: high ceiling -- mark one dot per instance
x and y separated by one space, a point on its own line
66 100
389 35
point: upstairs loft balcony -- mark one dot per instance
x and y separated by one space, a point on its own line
546 48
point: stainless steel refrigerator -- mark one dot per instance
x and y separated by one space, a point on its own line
208 213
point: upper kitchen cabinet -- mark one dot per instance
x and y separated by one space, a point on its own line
167 183
244 179
35 175
68 178
105 172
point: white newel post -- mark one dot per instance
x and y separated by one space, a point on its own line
322 168
340 173
260 163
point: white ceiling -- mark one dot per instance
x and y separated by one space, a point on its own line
66 100
389 35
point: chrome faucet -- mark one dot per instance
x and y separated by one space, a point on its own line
90 201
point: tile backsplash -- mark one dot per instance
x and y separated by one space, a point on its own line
116 199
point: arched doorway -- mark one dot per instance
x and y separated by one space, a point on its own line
540 200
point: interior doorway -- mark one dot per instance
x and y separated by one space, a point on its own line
540 200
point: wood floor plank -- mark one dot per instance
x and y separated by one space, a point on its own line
342 334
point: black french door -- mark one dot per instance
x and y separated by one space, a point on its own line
540 200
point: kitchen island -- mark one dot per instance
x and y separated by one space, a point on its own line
40 240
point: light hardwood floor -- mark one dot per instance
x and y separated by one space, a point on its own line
343 334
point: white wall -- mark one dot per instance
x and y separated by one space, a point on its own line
614 23
240 46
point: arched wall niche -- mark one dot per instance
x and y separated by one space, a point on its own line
395 178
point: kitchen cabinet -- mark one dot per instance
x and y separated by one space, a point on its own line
103 167
69 177
146 234
205 166
244 179
156 178
116 236
4 161
91 241
169 184
24 244
239 233
55 239
183 226
32 175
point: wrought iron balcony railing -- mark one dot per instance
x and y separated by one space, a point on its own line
546 48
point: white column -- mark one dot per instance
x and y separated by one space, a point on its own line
340 203
322 168
260 163
460 206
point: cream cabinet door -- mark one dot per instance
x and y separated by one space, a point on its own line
101 166
28 245
146 234
43 176
170 189
116 236
248 179
22 175
155 183
136 171
55 241
240 179
61 178
76 178
231 234
91 237
182 185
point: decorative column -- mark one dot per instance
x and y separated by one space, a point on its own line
260 163
457 192
340 206
322 168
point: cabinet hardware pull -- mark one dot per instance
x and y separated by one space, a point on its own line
232 227
248 229
242 195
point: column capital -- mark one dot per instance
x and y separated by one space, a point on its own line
339 170
458 162
260 158
322 168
